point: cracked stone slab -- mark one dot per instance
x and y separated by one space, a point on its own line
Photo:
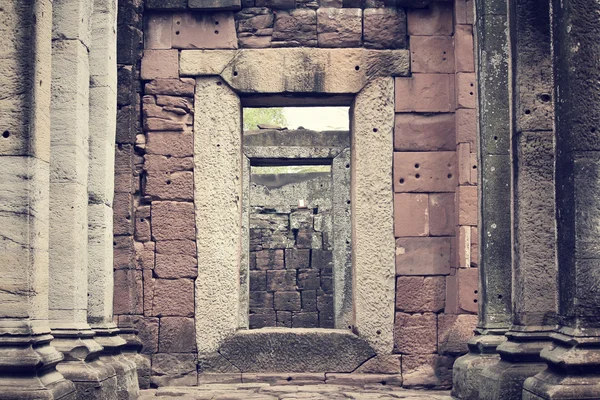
296 350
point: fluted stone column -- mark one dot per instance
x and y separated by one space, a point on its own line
27 359
574 357
103 108
68 287
534 228
494 199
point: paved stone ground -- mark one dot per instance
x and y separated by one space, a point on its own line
265 391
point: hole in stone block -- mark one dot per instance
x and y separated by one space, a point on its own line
474 300
449 176
401 180
374 129
219 83
289 379
378 332
475 291
216 22
417 176
357 68
593 130
545 97
5 134
178 22
216 32
169 182
235 73
500 297
495 137
527 112
177 32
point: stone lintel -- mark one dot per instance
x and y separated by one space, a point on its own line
296 70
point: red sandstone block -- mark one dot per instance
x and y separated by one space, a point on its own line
424 132
175 144
258 280
466 126
203 31
173 87
466 199
454 331
420 294
148 285
123 252
423 256
162 164
142 223
183 247
464 11
474 175
464 163
178 186
177 335
432 171
173 220
128 292
427 370
172 266
122 214
160 64
147 331
157 34
173 298
463 48
434 20
425 93
466 90
144 255
415 333
463 247
287 301
474 247
462 291
261 299
411 214
442 219
432 54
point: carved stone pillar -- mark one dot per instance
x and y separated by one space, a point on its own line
533 222
574 357
494 199
27 359
103 108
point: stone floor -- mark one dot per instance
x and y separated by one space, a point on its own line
265 391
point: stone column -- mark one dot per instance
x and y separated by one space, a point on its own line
574 357
68 203
534 254
103 108
27 360
494 199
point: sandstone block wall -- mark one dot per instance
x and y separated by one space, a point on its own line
435 170
435 194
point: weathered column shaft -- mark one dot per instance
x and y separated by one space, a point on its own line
574 358
494 198
68 203
533 216
102 123
27 360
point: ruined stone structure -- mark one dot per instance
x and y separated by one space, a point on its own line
138 249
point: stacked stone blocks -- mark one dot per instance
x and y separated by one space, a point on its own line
435 200
291 268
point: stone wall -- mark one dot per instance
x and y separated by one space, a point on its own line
435 200
435 171
291 252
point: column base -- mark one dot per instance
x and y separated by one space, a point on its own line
126 372
93 379
466 372
573 370
519 360
28 364
131 351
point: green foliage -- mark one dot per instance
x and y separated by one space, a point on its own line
270 116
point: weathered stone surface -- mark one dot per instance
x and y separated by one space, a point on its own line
425 171
176 335
382 364
160 64
339 27
295 28
442 219
173 298
425 93
175 266
466 204
462 291
433 20
423 256
384 28
427 371
429 132
432 54
295 350
454 331
332 71
420 294
203 31
174 370
173 220
411 214
173 87
416 333
175 144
